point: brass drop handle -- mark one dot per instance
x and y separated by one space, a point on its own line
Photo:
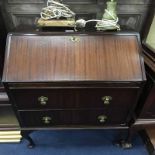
43 100
106 99
46 120
102 118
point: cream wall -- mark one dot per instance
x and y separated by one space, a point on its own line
151 36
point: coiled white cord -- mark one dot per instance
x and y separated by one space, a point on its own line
55 10
104 23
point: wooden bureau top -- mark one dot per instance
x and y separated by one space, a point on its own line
72 57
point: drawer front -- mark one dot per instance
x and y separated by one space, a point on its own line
74 98
54 118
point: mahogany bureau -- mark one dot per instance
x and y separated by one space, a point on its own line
73 80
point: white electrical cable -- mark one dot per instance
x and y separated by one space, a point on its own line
101 23
82 23
56 10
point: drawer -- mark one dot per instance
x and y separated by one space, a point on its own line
74 98
73 117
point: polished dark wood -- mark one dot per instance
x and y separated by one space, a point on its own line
55 58
145 111
148 110
59 118
25 134
74 72
75 98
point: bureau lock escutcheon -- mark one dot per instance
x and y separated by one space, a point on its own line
46 120
75 39
43 100
106 99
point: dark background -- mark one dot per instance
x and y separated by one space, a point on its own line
21 13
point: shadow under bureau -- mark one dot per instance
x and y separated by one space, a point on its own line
73 80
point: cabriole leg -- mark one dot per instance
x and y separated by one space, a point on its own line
25 134
127 143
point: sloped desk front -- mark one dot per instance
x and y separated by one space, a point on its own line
72 80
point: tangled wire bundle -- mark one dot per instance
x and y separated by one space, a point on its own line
104 23
55 10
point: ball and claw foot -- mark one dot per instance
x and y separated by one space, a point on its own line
124 144
31 145
26 136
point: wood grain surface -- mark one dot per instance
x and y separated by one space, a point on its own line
89 98
40 58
